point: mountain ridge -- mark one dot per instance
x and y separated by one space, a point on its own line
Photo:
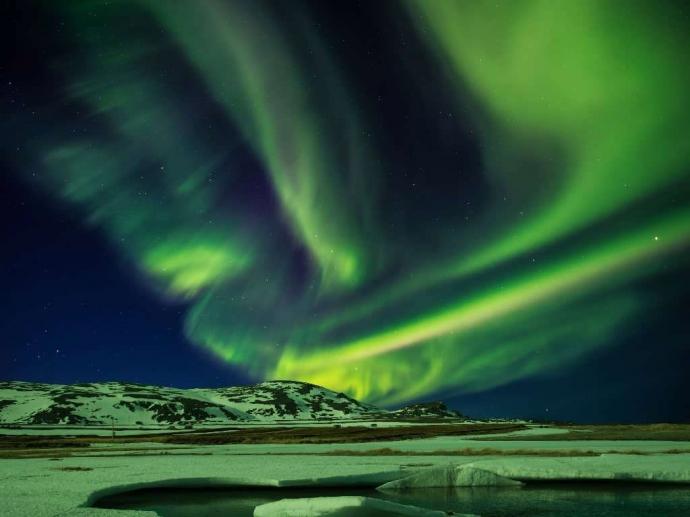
137 404
140 404
126 403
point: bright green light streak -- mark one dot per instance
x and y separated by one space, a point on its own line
560 280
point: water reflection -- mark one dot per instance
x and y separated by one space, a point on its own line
557 500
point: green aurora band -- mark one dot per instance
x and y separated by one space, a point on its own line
598 88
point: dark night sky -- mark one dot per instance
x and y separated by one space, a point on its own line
353 195
75 313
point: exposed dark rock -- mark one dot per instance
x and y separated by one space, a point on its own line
434 409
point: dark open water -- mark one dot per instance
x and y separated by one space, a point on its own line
571 500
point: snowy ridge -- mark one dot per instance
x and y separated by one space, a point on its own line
278 400
136 404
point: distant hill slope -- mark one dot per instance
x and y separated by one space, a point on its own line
427 410
137 404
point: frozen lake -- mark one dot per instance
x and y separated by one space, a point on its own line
557 500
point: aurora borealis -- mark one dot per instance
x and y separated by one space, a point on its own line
399 201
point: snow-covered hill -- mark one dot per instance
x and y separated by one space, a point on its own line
137 404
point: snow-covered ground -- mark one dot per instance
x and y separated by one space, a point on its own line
45 487
431 445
